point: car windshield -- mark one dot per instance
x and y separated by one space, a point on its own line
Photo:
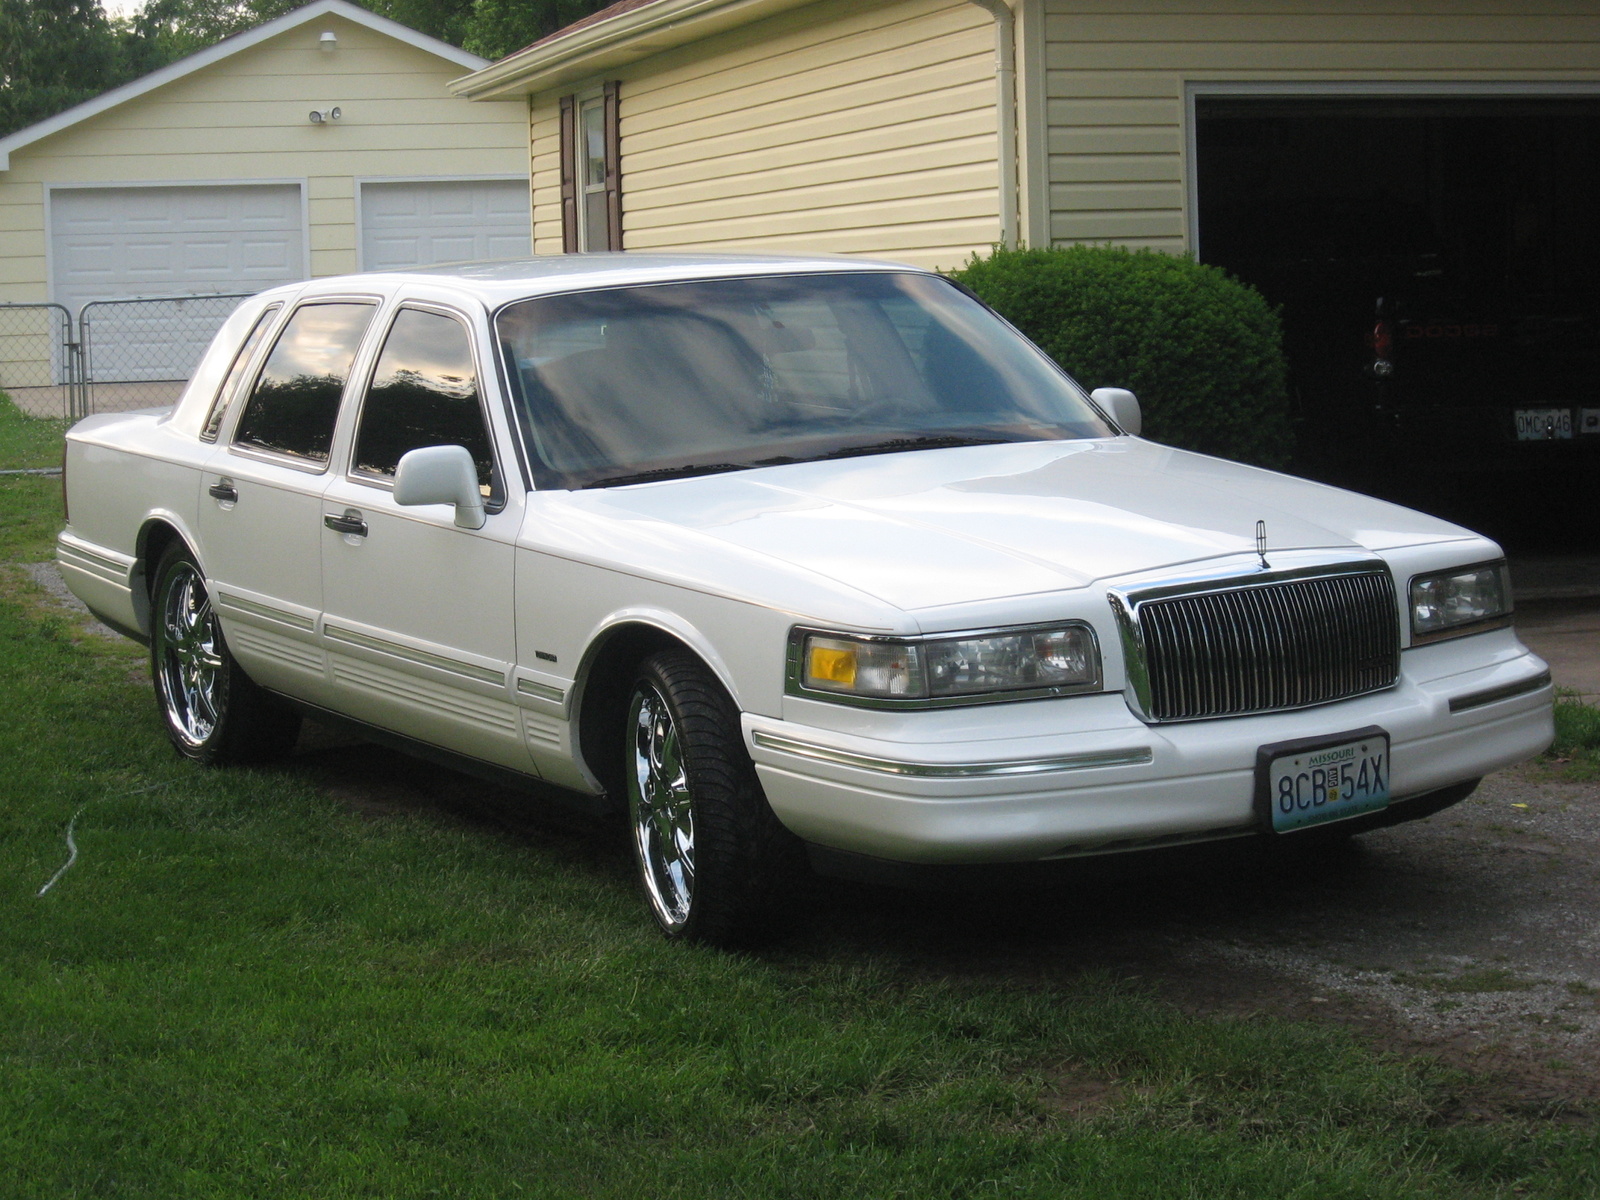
625 385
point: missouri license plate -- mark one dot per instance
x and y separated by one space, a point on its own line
1314 781
1543 424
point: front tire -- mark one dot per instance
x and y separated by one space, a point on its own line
212 711
712 856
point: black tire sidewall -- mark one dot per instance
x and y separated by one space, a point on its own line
209 750
737 838
252 726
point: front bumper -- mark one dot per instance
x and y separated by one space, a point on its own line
1053 778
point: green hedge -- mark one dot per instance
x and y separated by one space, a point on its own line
1203 352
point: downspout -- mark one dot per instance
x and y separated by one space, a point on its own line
1005 79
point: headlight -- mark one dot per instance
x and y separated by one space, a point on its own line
1465 600
1003 665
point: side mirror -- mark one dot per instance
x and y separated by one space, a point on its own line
441 475
1123 406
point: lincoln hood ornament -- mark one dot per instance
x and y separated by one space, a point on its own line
1261 544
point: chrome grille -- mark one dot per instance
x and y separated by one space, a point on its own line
1273 646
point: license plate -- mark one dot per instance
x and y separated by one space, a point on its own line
1313 781
1542 424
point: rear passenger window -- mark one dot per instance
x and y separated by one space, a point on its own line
224 397
295 402
424 393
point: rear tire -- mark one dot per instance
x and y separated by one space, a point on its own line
713 858
212 711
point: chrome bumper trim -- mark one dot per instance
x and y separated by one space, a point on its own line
1503 692
970 770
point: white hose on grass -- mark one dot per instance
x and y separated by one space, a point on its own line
72 845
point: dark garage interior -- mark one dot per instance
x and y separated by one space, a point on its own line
1437 261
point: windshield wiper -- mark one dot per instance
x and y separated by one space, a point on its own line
885 446
928 442
685 471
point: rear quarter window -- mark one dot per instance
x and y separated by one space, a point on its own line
295 401
224 397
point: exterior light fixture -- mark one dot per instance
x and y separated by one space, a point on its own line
328 42
321 116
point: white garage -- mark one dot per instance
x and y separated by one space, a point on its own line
115 243
417 222
164 241
226 172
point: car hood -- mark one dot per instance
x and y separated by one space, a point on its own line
930 528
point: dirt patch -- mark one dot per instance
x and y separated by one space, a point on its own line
1082 1094
47 578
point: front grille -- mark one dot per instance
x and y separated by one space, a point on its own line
1274 646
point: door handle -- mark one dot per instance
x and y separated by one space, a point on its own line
350 523
224 491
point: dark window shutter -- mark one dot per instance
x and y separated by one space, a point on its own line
569 174
613 170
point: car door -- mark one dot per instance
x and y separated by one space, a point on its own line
260 512
419 618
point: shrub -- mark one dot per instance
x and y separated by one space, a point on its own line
1203 352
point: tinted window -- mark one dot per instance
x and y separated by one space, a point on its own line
689 378
296 397
219 406
424 393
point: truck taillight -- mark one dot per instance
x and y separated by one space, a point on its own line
66 516
1382 339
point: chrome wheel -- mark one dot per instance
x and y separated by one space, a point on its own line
190 670
661 807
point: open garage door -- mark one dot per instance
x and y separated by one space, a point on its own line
1438 264
112 243
420 222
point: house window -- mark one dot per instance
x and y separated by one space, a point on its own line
591 175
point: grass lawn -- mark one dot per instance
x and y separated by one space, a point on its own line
1577 744
245 988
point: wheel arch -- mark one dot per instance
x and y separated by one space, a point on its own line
158 531
603 684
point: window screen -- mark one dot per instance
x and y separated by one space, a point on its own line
424 393
295 402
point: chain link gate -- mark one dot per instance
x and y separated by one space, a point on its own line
41 364
140 352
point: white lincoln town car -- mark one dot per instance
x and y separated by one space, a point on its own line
779 556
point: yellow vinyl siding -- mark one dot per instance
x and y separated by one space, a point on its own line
245 119
1116 73
837 127
544 143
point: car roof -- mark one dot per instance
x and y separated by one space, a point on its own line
497 283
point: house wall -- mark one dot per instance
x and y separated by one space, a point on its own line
245 118
1116 73
837 127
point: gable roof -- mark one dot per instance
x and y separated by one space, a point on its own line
625 32
226 48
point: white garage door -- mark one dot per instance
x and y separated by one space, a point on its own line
419 223
114 243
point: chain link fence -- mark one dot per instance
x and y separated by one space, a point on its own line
118 354
39 360
139 353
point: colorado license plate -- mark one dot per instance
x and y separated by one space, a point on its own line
1314 781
